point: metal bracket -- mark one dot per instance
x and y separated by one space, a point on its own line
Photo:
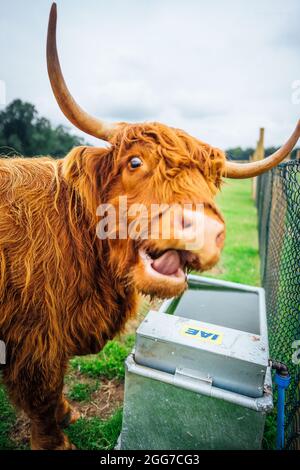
184 375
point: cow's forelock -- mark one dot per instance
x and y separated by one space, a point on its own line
174 149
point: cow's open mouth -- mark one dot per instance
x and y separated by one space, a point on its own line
170 264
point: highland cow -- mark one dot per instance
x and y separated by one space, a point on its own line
63 290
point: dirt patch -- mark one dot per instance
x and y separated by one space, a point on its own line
104 401
20 433
73 376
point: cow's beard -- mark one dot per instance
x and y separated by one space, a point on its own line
155 271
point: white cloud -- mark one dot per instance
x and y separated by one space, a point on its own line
220 70
126 100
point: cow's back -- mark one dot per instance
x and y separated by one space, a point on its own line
29 227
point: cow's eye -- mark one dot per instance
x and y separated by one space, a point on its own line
135 162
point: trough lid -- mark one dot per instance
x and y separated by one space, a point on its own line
231 308
232 359
217 330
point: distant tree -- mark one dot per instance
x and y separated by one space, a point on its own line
238 153
22 131
270 150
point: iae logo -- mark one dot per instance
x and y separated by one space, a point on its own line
202 334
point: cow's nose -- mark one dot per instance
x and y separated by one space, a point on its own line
214 233
190 223
200 230
220 238
190 228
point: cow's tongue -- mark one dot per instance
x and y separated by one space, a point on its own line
168 263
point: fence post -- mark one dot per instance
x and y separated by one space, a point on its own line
259 154
298 155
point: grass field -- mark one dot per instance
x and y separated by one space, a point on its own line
240 260
95 383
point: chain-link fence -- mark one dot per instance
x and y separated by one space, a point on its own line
278 204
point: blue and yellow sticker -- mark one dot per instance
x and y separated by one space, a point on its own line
201 334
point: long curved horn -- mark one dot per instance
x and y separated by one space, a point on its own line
66 102
248 170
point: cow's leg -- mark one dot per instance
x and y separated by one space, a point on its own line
46 432
39 396
65 413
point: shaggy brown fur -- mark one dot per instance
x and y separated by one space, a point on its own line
63 291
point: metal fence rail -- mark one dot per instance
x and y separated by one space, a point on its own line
278 204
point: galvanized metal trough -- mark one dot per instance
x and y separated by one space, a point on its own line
198 377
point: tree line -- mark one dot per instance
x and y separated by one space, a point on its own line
24 132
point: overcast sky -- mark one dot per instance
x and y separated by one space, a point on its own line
218 69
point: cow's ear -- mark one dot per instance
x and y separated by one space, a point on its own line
98 166
88 170
73 164
87 163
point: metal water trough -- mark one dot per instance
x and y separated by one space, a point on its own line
198 377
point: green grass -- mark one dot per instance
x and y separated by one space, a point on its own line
82 391
269 438
7 420
108 363
240 259
95 434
